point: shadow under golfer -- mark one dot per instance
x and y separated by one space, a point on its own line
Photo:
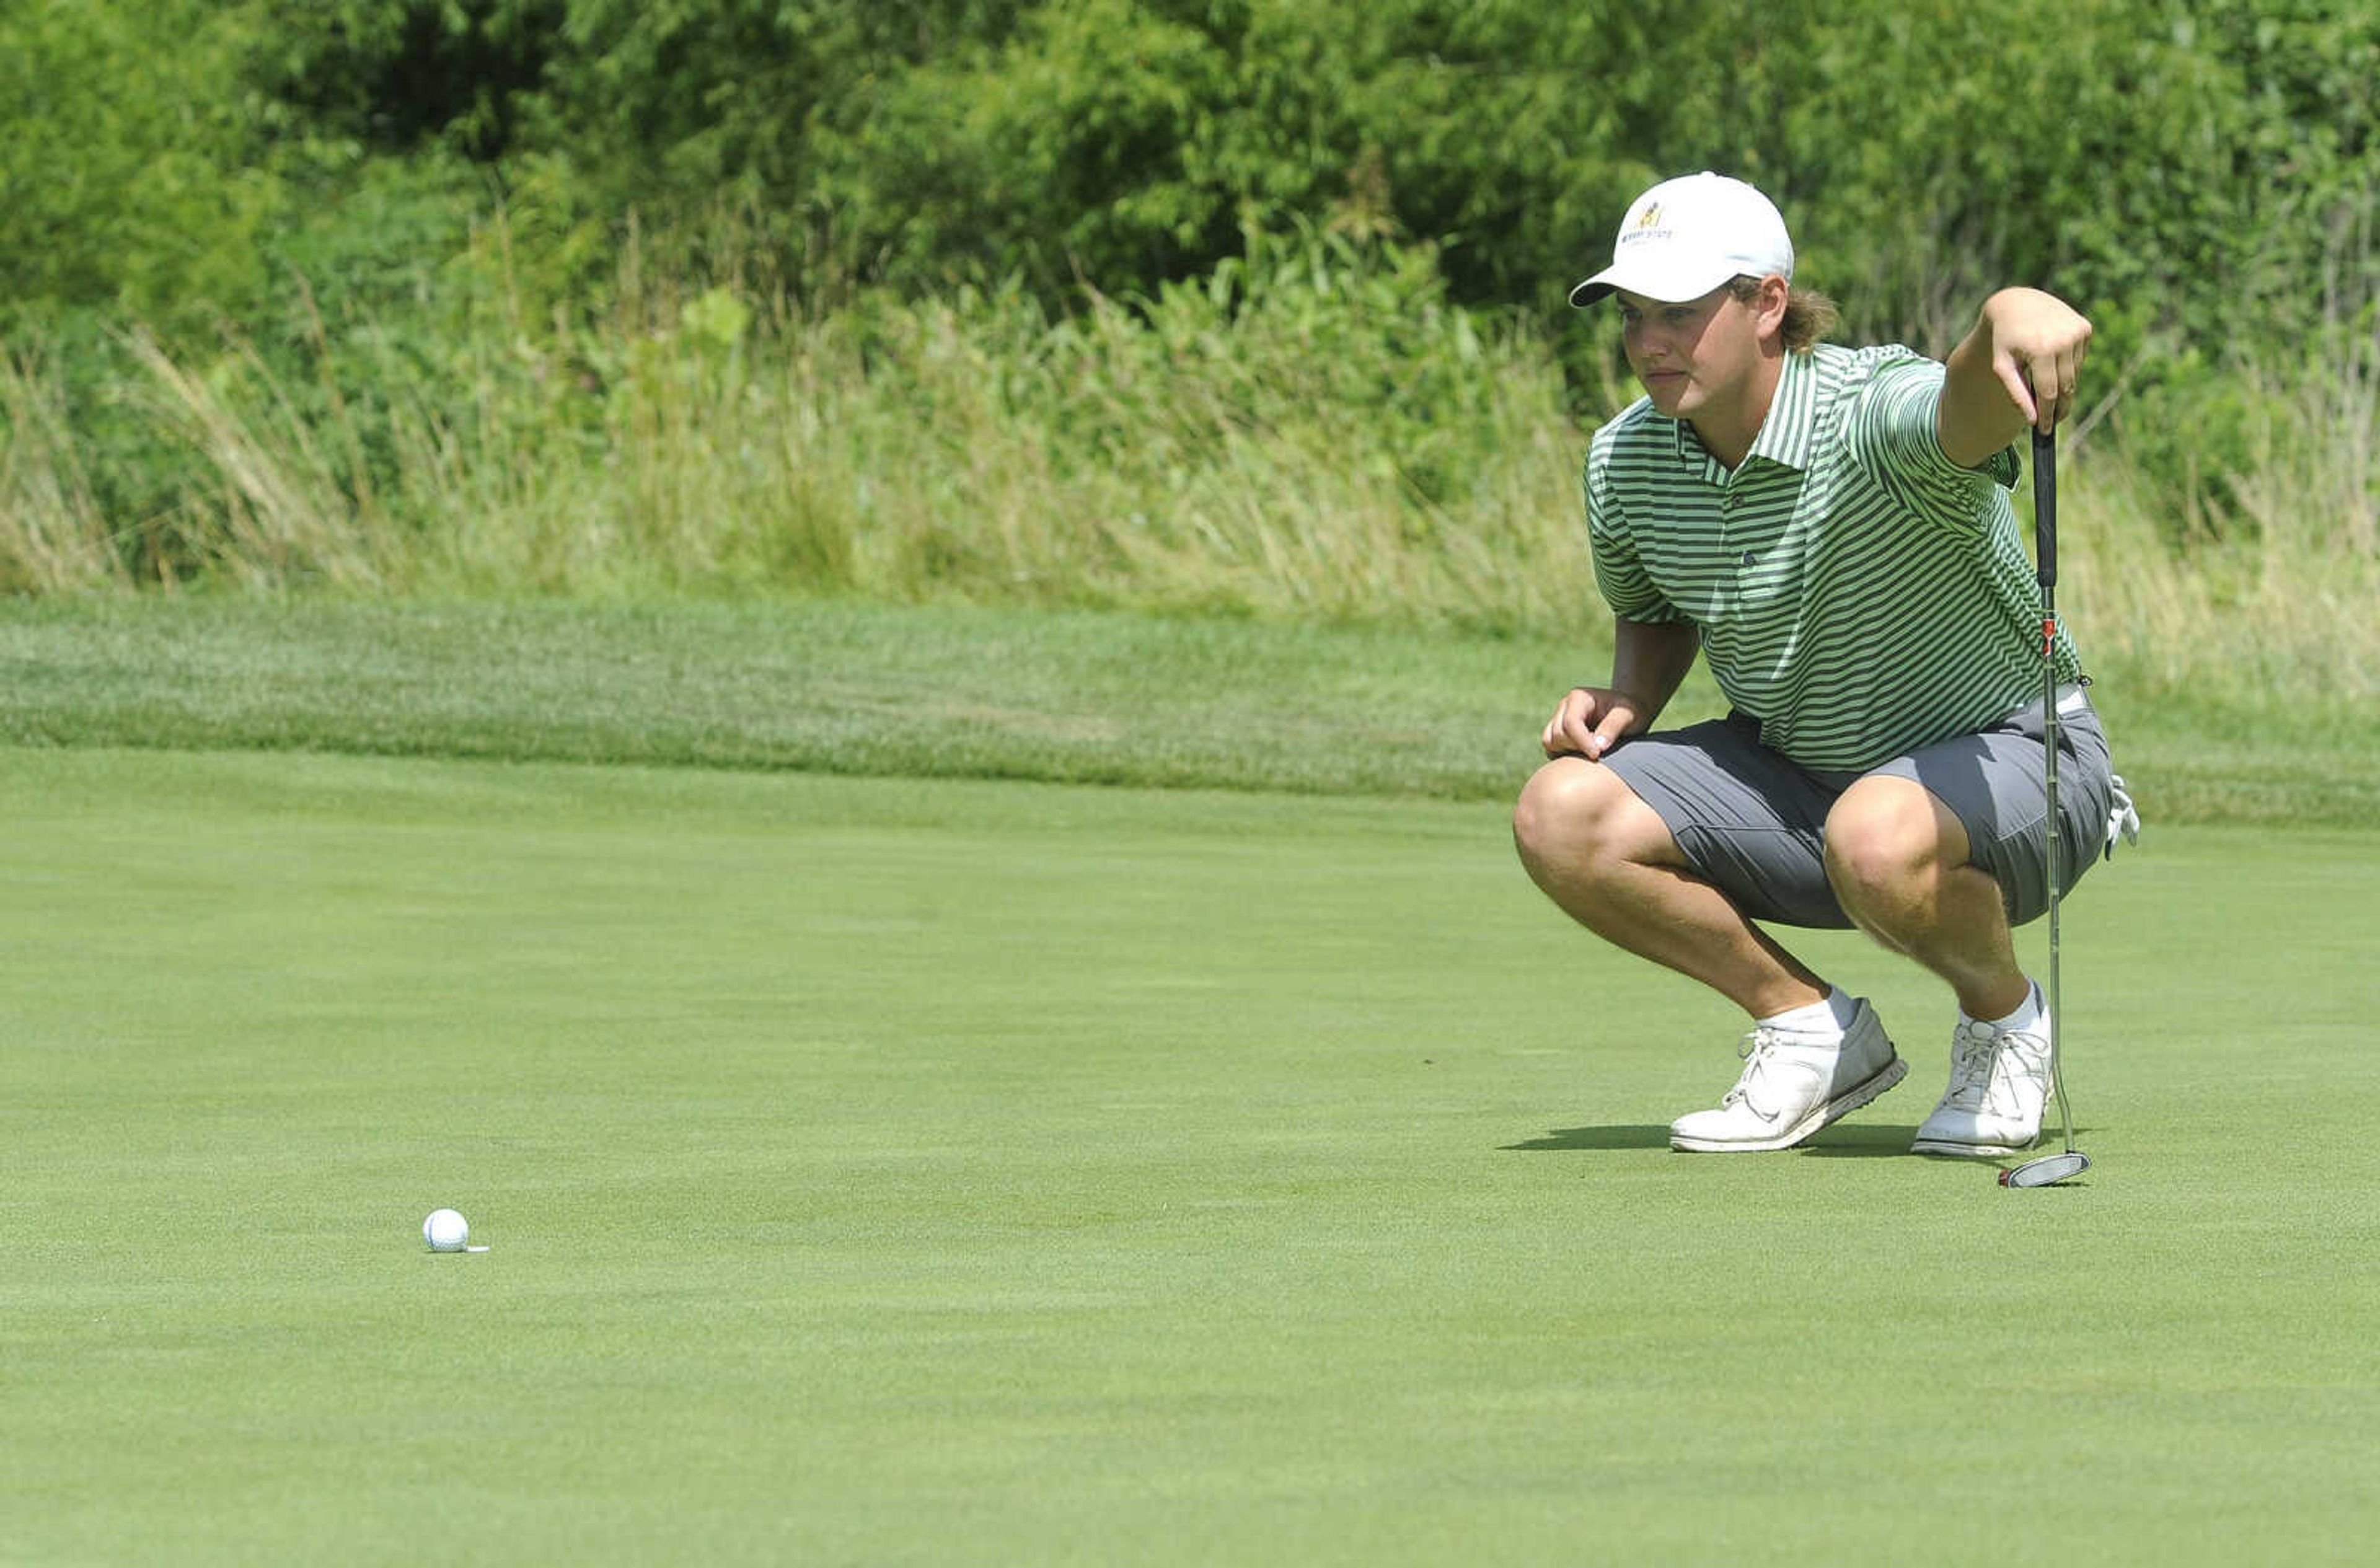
1845 1140
1853 1140
1654 1136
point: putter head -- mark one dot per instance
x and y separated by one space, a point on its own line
2048 1171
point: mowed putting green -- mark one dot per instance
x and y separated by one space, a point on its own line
929 1172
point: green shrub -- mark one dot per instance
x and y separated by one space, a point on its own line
128 178
404 240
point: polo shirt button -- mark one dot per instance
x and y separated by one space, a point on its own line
1749 558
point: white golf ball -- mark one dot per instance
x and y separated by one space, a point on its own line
446 1230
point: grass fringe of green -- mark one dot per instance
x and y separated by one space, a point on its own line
1060 696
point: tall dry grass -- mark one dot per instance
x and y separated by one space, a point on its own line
54 535
2282 599
1311 433
1306 434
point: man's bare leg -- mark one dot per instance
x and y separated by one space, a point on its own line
1898 859
1609 861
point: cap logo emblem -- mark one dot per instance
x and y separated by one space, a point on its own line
1646 230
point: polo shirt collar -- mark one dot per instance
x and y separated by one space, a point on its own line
1786 435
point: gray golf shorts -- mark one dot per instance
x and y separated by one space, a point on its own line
1753 823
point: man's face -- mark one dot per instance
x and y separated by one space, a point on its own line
1692 357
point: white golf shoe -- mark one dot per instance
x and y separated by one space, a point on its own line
1999 1082
1792 1085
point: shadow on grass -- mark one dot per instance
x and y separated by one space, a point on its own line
1845 1140
1838 1141
1656 1135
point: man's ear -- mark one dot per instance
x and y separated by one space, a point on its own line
1768 306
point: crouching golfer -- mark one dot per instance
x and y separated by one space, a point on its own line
1831 530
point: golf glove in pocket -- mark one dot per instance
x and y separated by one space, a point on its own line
2123 817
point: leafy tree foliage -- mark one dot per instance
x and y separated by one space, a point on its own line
125 167
2158 156
2194 177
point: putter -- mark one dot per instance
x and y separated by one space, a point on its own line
2049 1169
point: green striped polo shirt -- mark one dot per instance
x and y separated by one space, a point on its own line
1855 590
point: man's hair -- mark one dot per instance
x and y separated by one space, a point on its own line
1809 315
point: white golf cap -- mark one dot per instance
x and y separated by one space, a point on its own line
1686 237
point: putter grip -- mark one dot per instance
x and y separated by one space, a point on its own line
2045 505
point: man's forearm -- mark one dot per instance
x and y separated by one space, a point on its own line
2018 366
1649 661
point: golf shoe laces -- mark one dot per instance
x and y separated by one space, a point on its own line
1977 1085
1755 1054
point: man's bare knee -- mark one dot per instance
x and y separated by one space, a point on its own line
1575 818
1889 839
